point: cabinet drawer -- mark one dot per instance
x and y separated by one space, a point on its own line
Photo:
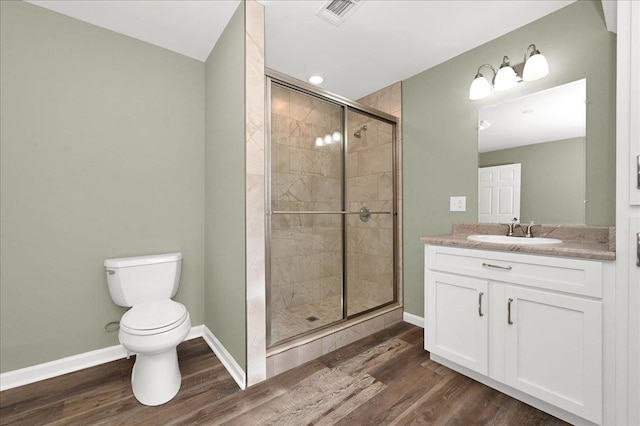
575 276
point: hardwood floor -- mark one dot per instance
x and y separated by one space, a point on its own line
383 379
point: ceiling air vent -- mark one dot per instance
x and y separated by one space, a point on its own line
337 11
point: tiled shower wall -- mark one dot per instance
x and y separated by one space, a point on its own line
306 249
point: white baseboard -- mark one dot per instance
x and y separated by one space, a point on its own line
225 358
35 373
413 319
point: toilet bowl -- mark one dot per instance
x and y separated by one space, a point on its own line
152 331
155 324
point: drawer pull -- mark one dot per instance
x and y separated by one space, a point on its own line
480 304
509 311
489 265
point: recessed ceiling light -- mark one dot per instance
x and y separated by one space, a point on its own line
316 79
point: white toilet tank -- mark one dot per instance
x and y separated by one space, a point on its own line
134 280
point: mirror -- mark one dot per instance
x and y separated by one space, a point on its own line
544 136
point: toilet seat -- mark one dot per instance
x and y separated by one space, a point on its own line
153 317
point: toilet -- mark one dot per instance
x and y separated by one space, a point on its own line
155 324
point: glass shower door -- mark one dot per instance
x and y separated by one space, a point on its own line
371 204
306 220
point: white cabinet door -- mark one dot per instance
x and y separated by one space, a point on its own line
553 349
457 320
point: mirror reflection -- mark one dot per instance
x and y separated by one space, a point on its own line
532 157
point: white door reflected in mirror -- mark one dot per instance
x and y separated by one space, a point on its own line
499 193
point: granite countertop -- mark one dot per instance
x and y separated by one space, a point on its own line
584 241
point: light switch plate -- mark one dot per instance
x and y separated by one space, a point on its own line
458 204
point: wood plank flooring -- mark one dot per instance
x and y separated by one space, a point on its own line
383 379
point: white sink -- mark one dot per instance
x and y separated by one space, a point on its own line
503 239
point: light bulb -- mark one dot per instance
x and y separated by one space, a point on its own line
328 139
506 78
536 67
336 136
480 88
319 142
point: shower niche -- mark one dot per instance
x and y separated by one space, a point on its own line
332 210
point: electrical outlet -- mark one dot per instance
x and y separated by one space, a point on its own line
458 204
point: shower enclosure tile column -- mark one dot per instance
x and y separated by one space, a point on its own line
255 192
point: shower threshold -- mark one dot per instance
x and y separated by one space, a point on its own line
291 327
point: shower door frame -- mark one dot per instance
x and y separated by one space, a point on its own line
299 86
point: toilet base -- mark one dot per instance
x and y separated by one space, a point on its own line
156 378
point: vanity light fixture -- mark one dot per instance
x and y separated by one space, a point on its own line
533 67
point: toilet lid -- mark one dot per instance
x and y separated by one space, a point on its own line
153 315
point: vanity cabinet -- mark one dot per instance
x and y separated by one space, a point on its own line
553 349
457 327
532 323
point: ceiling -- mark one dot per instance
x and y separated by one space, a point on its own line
382 42
550 115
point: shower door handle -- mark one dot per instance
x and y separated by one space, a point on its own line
365 214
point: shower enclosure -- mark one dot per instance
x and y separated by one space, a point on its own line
332 210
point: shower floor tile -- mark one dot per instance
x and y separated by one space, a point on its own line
295 320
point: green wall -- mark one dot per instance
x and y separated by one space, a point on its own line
102 142
552 179
225 189
439 126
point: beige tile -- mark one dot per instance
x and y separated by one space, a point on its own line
288 187
280 158
385 186
362 189
285 361
280 101
302 293
255 192
375 160
310 351
291 242
326 189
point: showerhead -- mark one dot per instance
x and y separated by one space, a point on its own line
358 133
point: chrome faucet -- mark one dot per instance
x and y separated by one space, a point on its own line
526 230
512 227
528 234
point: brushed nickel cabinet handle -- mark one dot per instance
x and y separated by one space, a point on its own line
480 304
509 311
489 265
638 249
